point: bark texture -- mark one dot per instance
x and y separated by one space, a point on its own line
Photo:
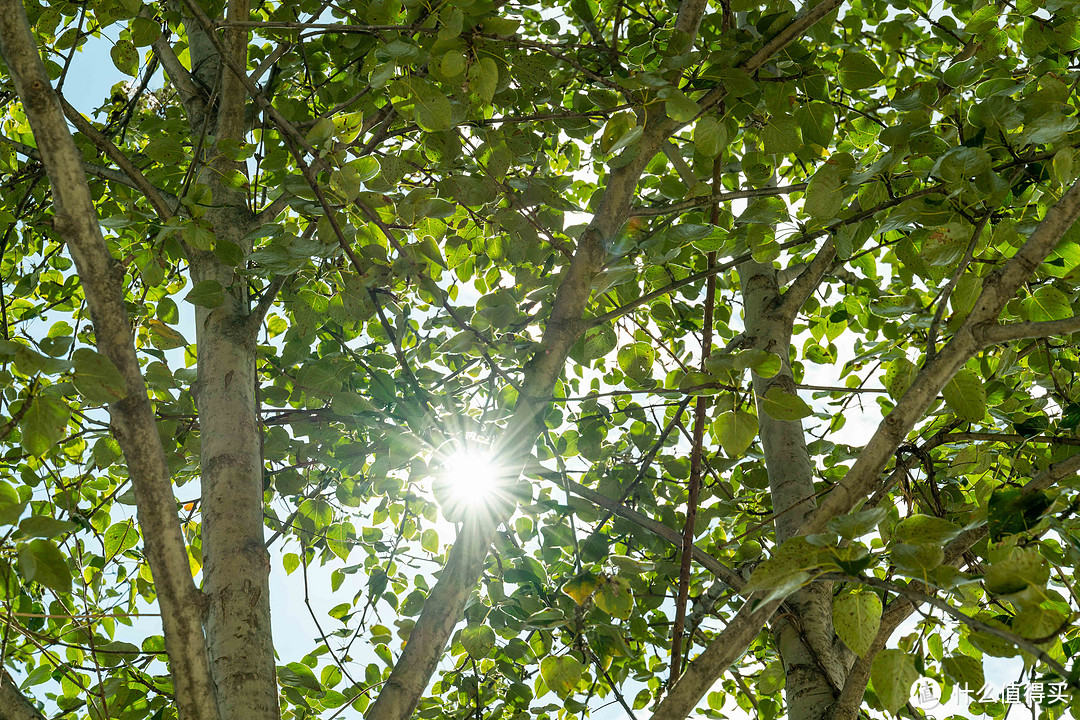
236 564
133 421
813 665
13 704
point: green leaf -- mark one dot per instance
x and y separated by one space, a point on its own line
783 406
11 505
856 524
1038 623
736 431
1015 510
965 670
1014 573
787 569
965 395
917 560
96 378
599 342
208 294
483 79
453 63
823 198
340 539
41 561
429 540
44 526
546 619
919 529
299 675
710 136
636 360
1048 303
478 640
119 538
858 72
561 674
433 110
679 108
44 424
893 673
898 377
501 26
817 122
166 149
764 363
857 618
993 645
125 57
144 31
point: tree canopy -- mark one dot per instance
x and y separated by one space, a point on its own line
309 257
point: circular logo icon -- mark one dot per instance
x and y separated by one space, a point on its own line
925 694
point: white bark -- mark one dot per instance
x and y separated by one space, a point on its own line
133 420
813 665
236 564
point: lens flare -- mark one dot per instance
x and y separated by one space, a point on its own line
471 476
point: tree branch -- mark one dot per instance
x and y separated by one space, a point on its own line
946 293
916 597
999 288
730 578
802 286
653 211
850 701
99 171
996 334
132 417
13 704
190 98
138 180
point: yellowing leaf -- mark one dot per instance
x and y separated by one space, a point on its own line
615 597
580 587
856 618
561 674
164 337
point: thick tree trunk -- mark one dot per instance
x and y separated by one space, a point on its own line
132 418
236 564
814 664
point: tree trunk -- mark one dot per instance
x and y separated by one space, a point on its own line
236 564
814 663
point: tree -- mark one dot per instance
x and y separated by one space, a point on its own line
365 213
